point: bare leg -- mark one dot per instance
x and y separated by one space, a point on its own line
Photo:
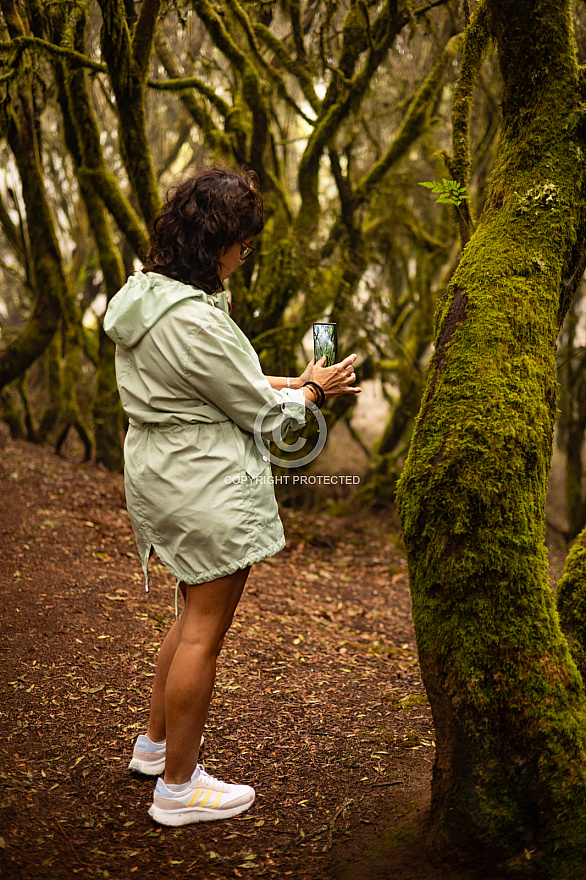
188 669
157 728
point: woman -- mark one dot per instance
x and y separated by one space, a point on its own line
196 484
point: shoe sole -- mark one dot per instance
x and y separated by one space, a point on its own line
197 814
147 768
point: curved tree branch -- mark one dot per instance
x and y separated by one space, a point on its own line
18 45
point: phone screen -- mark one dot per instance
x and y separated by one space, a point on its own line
325 342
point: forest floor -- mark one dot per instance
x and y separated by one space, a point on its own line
318 704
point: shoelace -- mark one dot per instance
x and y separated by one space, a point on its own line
204 778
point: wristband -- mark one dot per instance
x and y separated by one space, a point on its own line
320 398
288 382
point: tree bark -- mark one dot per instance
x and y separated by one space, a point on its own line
128 59
82 138
509 781
21 128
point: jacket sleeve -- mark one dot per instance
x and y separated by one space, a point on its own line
224 370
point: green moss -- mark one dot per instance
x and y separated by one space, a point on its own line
571 601
45 265
474 48
400 835
127 73
508 702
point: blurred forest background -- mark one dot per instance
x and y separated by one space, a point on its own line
342 108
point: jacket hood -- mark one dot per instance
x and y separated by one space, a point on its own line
143 301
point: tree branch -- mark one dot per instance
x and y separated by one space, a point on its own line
423 9
19 44
144 32
295 67
12 233
197 109
219 34
183 84
252 88
475 43
14 22
409 130
336 106
106 183
128 81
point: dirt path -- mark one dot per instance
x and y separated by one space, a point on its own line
319 703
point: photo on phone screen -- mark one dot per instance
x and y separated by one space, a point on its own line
325 342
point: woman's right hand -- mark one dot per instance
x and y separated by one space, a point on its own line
336 379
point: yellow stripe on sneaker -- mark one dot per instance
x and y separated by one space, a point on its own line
217 800
197 794
206 798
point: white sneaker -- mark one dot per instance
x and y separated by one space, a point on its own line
204 800
149 757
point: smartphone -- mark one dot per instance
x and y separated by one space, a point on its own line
325 341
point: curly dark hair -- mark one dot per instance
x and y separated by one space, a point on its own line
201 218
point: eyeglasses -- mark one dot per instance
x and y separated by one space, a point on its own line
245 250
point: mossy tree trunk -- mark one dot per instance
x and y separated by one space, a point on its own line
127 54
82 138
509 780
20 122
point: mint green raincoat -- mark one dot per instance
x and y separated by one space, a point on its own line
198 488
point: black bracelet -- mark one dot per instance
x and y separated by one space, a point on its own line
320 397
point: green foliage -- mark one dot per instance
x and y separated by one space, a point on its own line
449 192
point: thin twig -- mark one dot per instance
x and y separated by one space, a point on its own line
304 838
83 864
577 352
423 9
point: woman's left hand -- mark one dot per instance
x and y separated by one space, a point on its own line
307 373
